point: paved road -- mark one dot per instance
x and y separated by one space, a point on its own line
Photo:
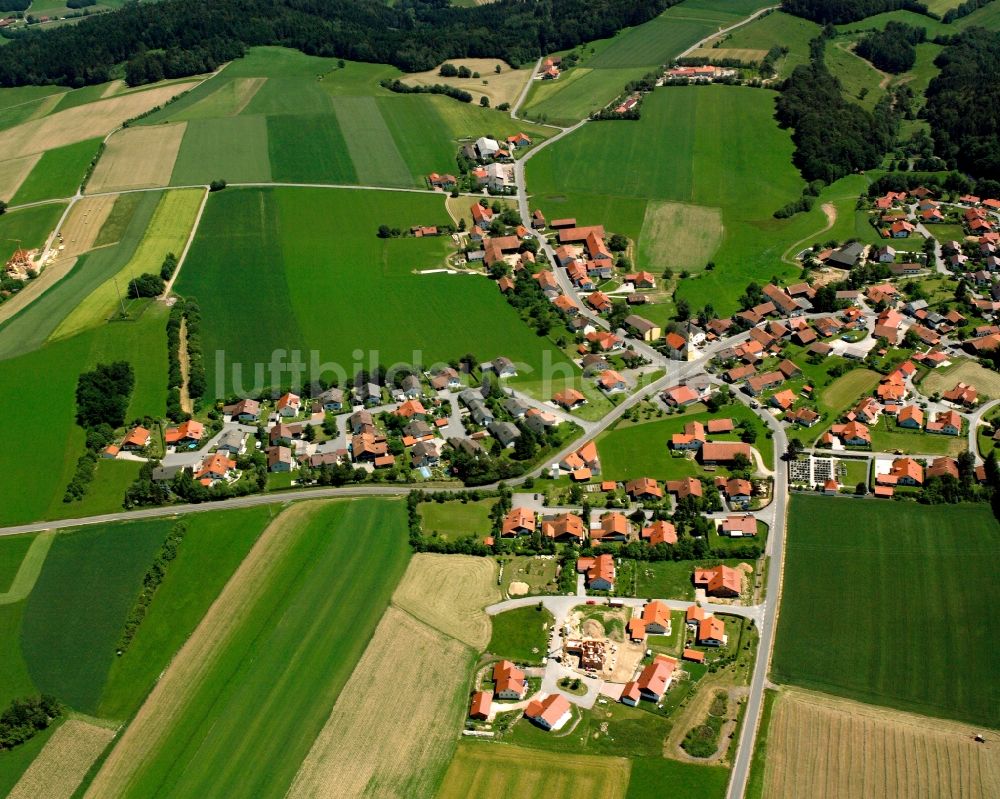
975 420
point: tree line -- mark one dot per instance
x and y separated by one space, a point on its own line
24 718
892 50
837 12
174 38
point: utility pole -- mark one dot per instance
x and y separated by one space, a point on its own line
120 300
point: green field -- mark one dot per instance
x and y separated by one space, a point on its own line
517 633
12 552
308 148
334 287
720 138
27 228
910 587
607 65
774 30
21 103
652 775
643 450
887 437
260 703
671 579
457 519
58 173
14 762
233 149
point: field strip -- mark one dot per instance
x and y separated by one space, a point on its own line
83 224
137 158
168 231
63 762
822 746
501 771
183 256
369 141
13 172
376 747
450 593
83 122
30 568
168 699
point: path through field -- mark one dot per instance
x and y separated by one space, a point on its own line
28 571
830 211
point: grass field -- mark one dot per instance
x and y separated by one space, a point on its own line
64 761
12 552
671 579
499 88
337 289
13 174
454 520
887 437
720 136
906 580
377 748
773 30
494 771
75 613
962 371
643 450
520 634
449 594
242 702
14 762
168 231
209 151
22 562
58 173
213 547
27 228
651 775
860 80
847 389
822 747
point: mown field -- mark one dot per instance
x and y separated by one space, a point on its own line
58 173
242 702
819 746
720 138
607 65
776 29
313 276
911 585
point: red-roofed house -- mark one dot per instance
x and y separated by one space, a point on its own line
510 682
550 713
660 532
719 581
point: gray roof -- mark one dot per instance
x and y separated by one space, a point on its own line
504 432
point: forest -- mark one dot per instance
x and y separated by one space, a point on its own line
173 38
963 104
838 12
892 50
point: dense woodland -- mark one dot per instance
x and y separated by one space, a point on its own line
963 104
892 50
837 12
181 37
833 137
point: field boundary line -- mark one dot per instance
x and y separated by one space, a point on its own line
438 630
187 246
31 566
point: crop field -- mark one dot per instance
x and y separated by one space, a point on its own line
377 160
23 571
12 552
137 158
64 761
241 703
963 371
819 746
502 87
58 173
31 328
371 747
14 762
82 122
457 519
168 231
720 137
13 173
690 233
906 580
76 610
23 103
84 224
449 593
314 249
228 99
233 149
774 30
685 780
309 148
500 771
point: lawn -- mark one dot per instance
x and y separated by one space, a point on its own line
58 173
538 572
454 520
74 614
670 579
643 450
214 545
962 370
336 291
909 584
517 634
887 437
847 389
721 137
256 706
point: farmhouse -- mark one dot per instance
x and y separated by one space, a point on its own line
550 713
680 396
962 394
719 581
642 328
692 438
509 680
724 452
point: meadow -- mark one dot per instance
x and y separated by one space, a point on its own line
671 579
58 173
642 450
776 29
822 746
520 634
242 702
909 583
457 519
685 780
722 138
334 287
